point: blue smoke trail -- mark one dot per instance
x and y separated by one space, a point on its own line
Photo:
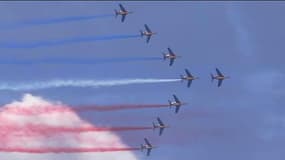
54 21
77 61
65 41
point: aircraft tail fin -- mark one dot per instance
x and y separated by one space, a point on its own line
141 33
164 56
153 125
212 76
181 77
169 102
116 13
142 147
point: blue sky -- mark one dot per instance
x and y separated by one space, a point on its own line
243 119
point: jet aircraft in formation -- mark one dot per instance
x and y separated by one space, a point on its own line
123 12
188 77
170 55
160 125
220 77
176 103
148 33
147 146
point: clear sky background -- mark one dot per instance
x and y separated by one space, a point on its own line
243 119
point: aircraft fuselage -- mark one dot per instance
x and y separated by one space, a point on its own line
220 77
175 104
170 56
161 126
123 12
148 33
188 78
145 146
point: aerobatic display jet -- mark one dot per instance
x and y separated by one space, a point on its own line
170 55
220 77
123 12
176 103
147 146
148 33
160 125
188 77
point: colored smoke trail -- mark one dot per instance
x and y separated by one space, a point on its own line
79 61
48 129
66 41
80 83
57 109
54 21
64 150
19 133
117 107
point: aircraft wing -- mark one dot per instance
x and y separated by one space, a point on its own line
176 99
147 28
148 151
161 131
171 61
188 73
123 18
219 72
122 8
147 142
159 121
189 83
220 82
148 38
170 51
177 109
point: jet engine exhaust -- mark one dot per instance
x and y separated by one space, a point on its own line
96 108
50 43
53 21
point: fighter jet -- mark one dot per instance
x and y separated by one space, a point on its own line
177 103
160 125
147 146
188 77
220 77
170 55
123 12
148 33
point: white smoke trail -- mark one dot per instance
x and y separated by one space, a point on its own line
79 83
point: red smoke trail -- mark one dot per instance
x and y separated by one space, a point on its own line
117 107
64 150
53 109
47 130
